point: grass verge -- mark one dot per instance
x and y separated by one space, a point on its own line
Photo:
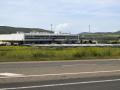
24 53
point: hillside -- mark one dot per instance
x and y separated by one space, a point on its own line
8 30
101 34
118 32
102 37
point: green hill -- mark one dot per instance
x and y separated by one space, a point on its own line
8 30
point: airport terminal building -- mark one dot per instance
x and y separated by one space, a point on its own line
39 38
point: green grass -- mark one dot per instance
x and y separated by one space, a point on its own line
24 53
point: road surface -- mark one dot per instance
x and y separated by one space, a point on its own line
99 83
66 75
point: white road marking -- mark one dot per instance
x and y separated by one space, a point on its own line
11 74
78 73
62 84
96 60
61 74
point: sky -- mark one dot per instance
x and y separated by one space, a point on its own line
71 16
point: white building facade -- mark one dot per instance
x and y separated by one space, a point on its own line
39 38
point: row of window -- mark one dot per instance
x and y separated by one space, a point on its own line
51 37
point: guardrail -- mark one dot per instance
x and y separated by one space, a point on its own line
76 45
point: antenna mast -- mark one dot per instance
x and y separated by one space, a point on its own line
51 27
89 28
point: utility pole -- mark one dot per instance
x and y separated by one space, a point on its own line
51 27
89 28
78 38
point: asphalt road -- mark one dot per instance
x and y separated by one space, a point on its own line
37 68
57 63
66 75
98 83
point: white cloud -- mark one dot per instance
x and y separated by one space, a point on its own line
63 27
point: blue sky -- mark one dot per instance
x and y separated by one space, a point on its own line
66 15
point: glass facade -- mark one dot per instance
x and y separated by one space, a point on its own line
52 38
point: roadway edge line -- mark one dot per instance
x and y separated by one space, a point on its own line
62 74
60 61
63 84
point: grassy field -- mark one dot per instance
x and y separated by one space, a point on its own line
24 53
